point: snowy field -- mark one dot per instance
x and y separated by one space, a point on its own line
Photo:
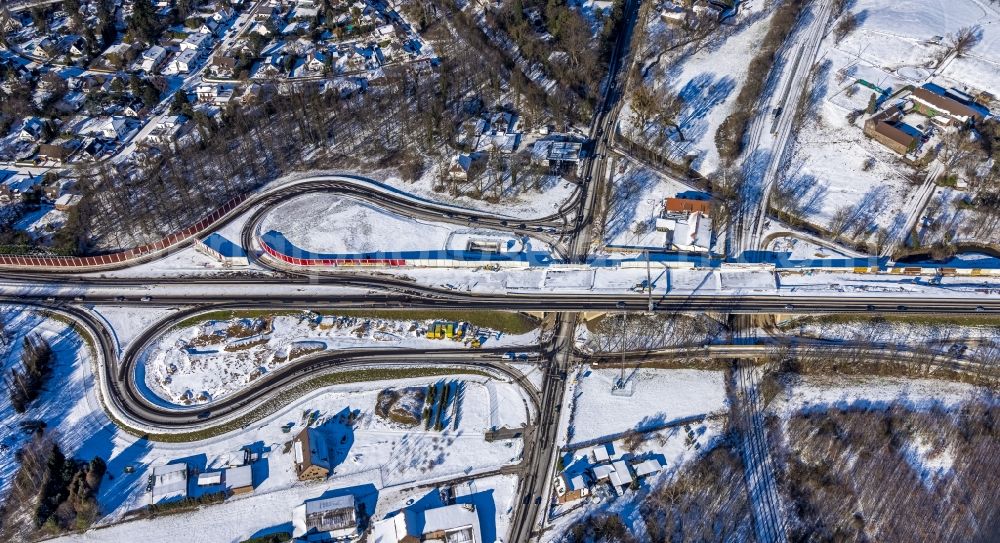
707 79
530 203
656 397
68 404
898 332
801 249
825 392
896 44
212 359
329 223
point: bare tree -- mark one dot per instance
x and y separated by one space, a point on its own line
965 39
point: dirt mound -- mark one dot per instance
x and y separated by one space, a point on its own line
404 405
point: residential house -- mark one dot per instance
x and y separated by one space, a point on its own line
184 61
647 467
18 187
112 128
31 130
617 474
167 131
251 94
571 488
458 523
223 66
930 103
316 61
312 455
461 167
196 42
326 519
152 58
887 128
556 153
59 149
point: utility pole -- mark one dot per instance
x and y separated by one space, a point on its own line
649 283
621 378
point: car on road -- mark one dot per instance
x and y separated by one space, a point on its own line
145 298
204 415
901 308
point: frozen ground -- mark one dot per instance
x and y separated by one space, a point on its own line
378 454
824 392
67 404
800 249
898 332
213 359
329 223
656 397
530 203
895 45
708 81
637 201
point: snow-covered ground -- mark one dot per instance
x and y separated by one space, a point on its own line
334 224
673 448
637 200
530 203
823 392
212 359
378 452
708 81
898 332
651 398
833 165
378 456
68 403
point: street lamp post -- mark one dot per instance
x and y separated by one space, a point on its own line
621 378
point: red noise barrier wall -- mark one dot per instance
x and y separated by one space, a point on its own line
122 257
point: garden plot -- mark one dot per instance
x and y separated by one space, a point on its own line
206 361
654 398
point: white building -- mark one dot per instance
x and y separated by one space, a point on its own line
151 58
184 61
326 519
196 42
168 483
457 523
693 233
647 467
617 474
